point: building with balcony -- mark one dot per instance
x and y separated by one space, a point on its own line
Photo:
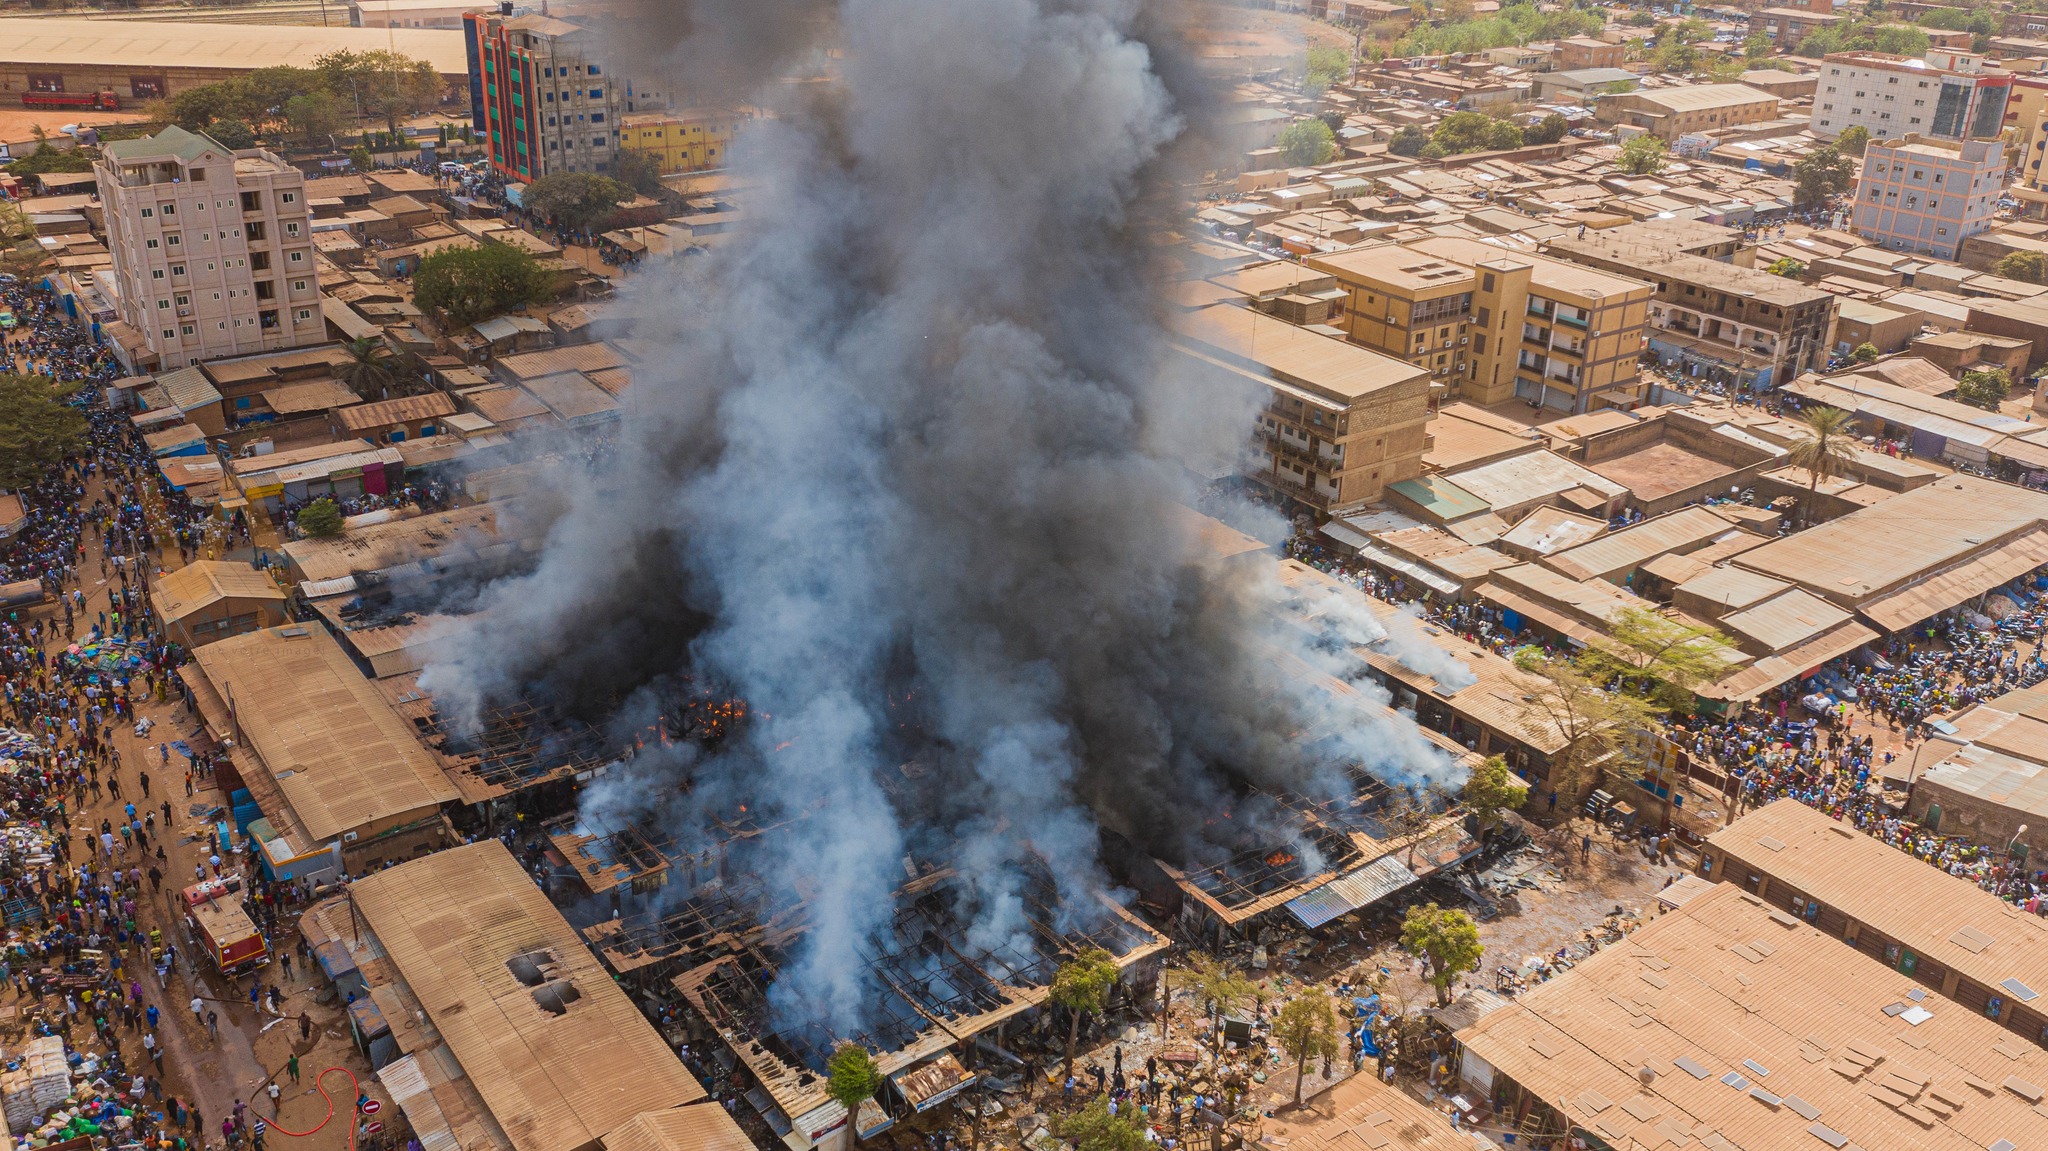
1788 24
1406 304
1919 196
1712 320
542 96
213 250
1547 331
1339 422
1947 96
1668 113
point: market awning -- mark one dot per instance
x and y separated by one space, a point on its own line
1543 614
1790 664
1347 535
1426 577
1359 887
1960 584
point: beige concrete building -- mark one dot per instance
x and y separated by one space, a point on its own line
1339 424
1668 113
213 251
1406 304
1547 331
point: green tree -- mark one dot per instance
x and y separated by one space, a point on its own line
46 159
1900 40
1591 722
1432 151
1641 155
234 135
1216 985
1082 986
2029 267
1676 56
476 283
1853 141
1503 136
320 519
383 83
1464 132
1865 353
368 371
315 115
1548 130
1661 658
360 159
1985 389
575 201
1306 142
1820 176
1827 450
1513 24
38 430
1447 940
1640 18
639 171
1306 1029
1409 141
1325 65
1787 267
1492 789
1093 1128
851 1077
1756 47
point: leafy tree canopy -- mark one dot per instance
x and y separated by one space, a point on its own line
1307 142
575 201
1445 939
1985 389
321 519
471 284
37 428
1641 155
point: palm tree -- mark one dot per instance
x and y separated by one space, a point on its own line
1827 454
368 371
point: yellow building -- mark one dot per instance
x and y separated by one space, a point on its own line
1339 422
1406 304
1492 324
692 140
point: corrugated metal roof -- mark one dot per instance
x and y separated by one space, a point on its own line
554 1080
1755 1028
1360 887
1960 584
1625 550
342 758
701 1126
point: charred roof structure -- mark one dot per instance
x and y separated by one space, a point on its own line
937 987
518 745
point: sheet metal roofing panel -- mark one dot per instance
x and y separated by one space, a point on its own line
1871 882
342 758
485 969
1960 584
1724 985
1732 587
1785 620
1359 887
702 1126
1882 547
1631 547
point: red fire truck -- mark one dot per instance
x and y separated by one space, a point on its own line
218 922
100 101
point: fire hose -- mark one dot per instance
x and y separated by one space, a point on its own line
355 1094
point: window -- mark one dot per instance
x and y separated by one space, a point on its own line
597 142
172 240
156 273
252 201
184 300
298 285
169 334
597 93
148 213
163 305
305 314
169 209
597 117
298 257
186 329
594 71
288 197
196 175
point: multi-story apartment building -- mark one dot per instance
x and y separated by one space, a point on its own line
1579 52
1492 323
1339 423
1715 320
1918 196
213 250
692 140
1948 95
543 98
1406 304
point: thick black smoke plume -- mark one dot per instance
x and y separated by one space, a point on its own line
907 481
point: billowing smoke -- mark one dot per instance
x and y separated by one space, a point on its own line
906 481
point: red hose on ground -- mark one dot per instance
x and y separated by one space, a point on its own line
354 1093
